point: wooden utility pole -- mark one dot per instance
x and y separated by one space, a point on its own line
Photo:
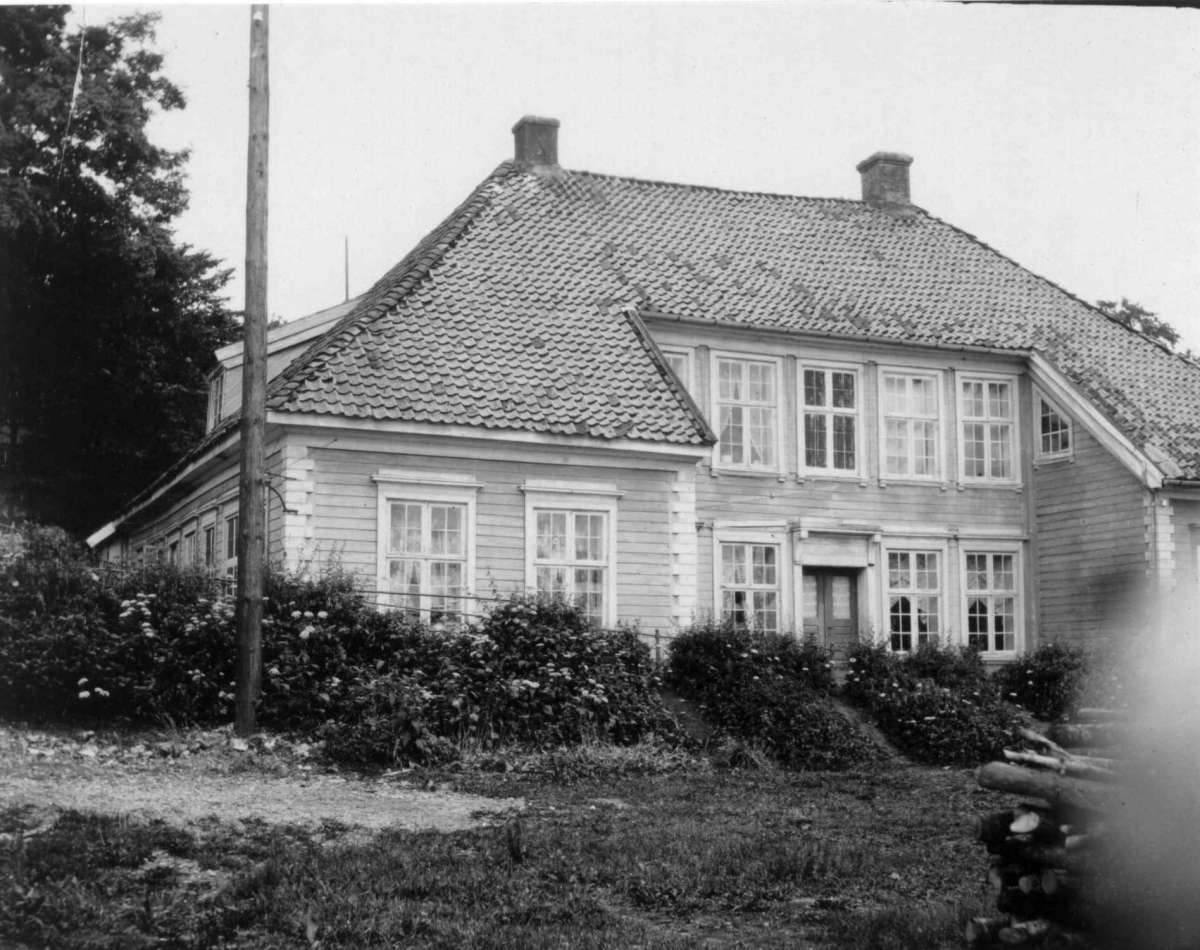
251 496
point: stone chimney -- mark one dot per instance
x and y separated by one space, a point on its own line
885 179
536 141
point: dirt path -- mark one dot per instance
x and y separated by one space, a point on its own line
187 780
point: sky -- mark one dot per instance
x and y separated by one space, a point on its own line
1068 138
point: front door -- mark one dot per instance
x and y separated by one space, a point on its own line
830 599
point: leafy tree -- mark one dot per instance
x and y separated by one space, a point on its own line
1136 317
107 324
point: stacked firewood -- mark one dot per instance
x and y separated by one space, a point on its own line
1048 853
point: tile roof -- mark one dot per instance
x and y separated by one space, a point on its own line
509 315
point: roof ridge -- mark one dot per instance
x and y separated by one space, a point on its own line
723 191
399 281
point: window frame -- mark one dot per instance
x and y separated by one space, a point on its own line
776 362
991 548
1039 397
574 497
830 367
1013 382
230 562
424 488
939 447
915 546
777 535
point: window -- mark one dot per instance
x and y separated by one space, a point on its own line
910 425
914 598
829 433
426 557
216 393
750 589
571 544
1054 431
210 547
747 412
231 545
991 600
986 410
680 361
426 543
189 549
173 553
571 557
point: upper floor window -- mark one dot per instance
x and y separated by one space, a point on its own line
216 393
680 361
914 598
986 408
750 585
1054 431
991 601
830 429
747 412
910 425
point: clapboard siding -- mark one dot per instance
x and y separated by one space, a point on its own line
345 511
1090 542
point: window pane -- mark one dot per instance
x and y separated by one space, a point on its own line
551 535
589 592
972 400
924 448
977 573
896 447
446 529
764 564
733 564
843 391
927 615
898 576
761 384
814 440
814 387
732 435
1003 577
766 611
552 581
404 581
999 401
1001 451
973 449
927 571
762 436
843 443
924 397
589 537
729 380
733 606
406 529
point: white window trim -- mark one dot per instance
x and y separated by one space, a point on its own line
423 488
961 377
859 439
989 546
939 448
920 545
1039 396
689 364
562 495
757 534
714 388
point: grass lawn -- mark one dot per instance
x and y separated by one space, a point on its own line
695 857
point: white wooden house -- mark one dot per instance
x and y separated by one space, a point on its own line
842 417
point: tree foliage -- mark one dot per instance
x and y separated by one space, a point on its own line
107 323
1138 318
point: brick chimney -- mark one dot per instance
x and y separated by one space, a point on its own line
885 179
536 141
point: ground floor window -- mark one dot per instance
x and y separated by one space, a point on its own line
426 558
231 545
991 601
571 557
914 598
750 585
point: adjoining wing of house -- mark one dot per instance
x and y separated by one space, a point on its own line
841 417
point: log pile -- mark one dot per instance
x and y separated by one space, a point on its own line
1047 852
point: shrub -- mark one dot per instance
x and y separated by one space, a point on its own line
769 690
534 673
1048 682
937 703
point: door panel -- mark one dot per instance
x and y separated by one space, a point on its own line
830 608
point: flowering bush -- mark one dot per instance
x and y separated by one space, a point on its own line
767 689
937 703
1048 682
